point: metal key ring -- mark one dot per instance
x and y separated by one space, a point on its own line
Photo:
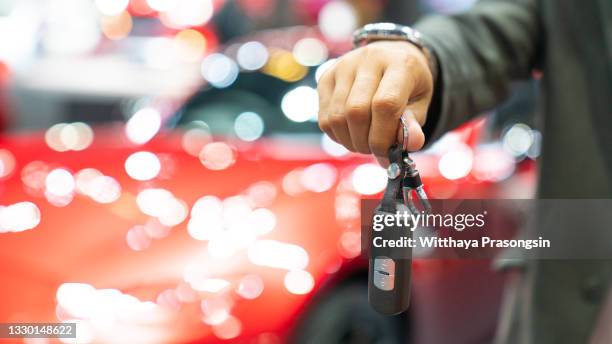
404 123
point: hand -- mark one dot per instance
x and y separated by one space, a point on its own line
363 95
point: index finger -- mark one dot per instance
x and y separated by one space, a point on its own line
325 89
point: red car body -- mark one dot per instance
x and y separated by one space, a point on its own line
157 284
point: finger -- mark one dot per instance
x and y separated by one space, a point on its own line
325 88
337 119
388 102
341 131
358 105
416 137
382 161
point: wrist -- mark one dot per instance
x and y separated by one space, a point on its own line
394 32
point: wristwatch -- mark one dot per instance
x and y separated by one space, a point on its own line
395 32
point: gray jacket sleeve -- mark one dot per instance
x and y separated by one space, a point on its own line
479 53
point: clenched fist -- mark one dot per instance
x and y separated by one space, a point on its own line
364 94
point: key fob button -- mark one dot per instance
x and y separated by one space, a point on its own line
384 273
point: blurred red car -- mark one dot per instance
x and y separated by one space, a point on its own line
191 236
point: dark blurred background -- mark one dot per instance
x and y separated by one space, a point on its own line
67 60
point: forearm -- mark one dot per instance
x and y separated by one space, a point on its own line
479 54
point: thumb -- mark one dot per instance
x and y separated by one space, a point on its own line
416 137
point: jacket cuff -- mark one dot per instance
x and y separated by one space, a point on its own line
438 120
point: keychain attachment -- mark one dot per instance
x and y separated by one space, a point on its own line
389 275
412 186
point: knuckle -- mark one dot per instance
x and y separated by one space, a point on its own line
410 61
337 120
357 111
388 104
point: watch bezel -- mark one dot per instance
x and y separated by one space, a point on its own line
386 31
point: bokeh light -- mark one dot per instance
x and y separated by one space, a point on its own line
207 206
347 206
194 139
262 221
301 104
223 245
79 18
34 174
210 285
217 156
310 51
276 254
191 45
228 329
84 180
84 332
216 309
104 189
7 163
219 70
160 53
252 55
492 163
235 208
457 162
250 286
111 7
283 65
103 309
337 20
536 146
299 282
19 217
64 137
332 147
319 177
161 203
262 194
169 299
185 293
249 126
292 183
187 13
116 27
350 244
143 125
156 230
142 165
518 139
162 5
206 218
137 238
60 182
369 179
